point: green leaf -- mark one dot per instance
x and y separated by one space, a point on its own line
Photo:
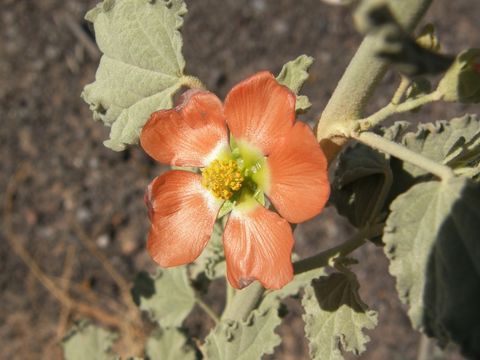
462 80
454 143
274 297
246 340
168 297
169 344
335 317
141 67
362 181
212 260
293 75
431 239
86 341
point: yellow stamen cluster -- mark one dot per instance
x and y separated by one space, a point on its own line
222 178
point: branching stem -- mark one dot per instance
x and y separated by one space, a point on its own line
405 154
393 108
322 259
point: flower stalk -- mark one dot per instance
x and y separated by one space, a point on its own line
359 81
405 154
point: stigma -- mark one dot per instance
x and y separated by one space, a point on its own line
223 178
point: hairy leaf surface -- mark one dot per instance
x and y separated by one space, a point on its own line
293 75
141 67
432 241
169 344
250 339
335 317
167 297
86 341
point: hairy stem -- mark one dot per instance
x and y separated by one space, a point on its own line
244 302
192 82
401 152
391 109
322 259
404 84
357 84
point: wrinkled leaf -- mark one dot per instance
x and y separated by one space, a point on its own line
362 181
462 80
335 317
141 67
169 344
86 341
245 340
432 241
212 260
293 75
455 143
167 297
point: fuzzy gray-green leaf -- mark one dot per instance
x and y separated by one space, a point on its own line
455 143
141 67
432 242
86 341
245 340
169 344
293 75
335 317
170 299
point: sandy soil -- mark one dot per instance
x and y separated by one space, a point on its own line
65 186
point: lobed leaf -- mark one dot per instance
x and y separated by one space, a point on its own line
455 143
169 344
462 80
431 239
86 341
293 75
168 297
335 317
141 67
245 340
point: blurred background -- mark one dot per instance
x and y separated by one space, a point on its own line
73 219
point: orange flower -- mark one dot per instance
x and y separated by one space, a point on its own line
247 147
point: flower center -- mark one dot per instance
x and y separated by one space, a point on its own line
223 178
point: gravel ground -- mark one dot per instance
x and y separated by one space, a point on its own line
66 186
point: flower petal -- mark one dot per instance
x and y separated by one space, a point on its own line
299 187
258 245
182 213
189 134
259 110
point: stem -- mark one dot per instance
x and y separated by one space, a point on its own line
392 108
404 84
192 82
230 294
208 310
244 302
401 152
359 81
322 259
